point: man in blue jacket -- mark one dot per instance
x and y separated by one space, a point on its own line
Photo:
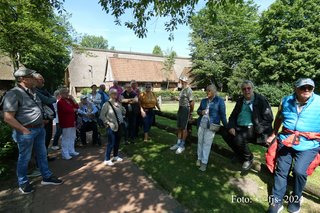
299 114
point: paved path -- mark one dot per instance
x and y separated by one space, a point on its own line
90 186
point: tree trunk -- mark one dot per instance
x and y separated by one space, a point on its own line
15 60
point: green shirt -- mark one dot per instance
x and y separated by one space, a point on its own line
245 116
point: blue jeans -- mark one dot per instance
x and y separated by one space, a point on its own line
302 160
57 135
26 143
113 143
148 120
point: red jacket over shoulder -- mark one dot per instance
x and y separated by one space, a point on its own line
66 113
271 154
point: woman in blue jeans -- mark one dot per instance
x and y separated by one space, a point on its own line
112 116
148 101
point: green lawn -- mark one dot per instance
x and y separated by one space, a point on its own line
213 190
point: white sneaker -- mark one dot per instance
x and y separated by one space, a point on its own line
174 147
74 154
108 163
66 157
118 159
55 147
180 150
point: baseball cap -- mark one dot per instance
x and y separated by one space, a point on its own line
23 71
82 97
184 78
304 81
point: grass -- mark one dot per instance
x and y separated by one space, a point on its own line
211 191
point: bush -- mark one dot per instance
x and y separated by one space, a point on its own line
169 95
85 91
8 150
274 93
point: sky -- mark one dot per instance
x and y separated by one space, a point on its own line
87 17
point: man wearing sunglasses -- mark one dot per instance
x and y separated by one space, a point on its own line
298 142
249 122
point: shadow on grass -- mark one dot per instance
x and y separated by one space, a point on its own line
208 191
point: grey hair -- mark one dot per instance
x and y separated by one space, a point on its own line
63 89
212 88
247 82
56 93
113 91
37 75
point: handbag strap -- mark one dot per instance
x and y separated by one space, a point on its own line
115 113
32 97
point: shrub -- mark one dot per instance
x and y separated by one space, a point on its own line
274 93
8 150
169 95
85 91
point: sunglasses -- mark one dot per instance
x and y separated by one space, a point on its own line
306 87
246 89
148 86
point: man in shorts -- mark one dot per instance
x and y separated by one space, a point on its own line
186 105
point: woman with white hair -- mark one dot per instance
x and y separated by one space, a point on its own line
112 116
211 111
67 108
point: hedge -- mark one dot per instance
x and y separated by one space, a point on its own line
169 95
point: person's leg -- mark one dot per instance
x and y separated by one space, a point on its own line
110 145
25 146
41 152
116 144
64 144
241 144
284 162
72 138
48 135
83 132
146 125
57 135
125 129
208 139
133 127
302 161
184 113
200 143
94 128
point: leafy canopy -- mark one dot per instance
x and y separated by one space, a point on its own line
157 50
178 12
92 41
220 44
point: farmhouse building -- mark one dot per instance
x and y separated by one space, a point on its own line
96 66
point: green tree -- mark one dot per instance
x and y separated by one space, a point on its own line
35 36
290 43
220 40
157 50
92 41
168 64
179 12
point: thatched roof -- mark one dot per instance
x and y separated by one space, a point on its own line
125 69
107 65
6 69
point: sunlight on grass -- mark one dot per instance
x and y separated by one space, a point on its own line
209 191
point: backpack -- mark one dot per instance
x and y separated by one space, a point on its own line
2 98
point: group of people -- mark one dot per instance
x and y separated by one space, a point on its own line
121 111
296 146
31 111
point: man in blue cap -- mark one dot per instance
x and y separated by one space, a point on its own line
298 142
